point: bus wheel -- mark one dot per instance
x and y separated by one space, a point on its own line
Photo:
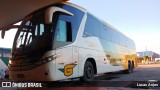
129 70
132 66
88 72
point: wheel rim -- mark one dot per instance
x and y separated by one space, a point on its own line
89 72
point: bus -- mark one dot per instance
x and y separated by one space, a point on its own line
64 41
5 54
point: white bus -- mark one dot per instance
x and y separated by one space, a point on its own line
65 41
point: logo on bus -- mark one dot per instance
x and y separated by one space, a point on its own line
68 69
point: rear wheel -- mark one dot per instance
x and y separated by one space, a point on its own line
130 69
133 66
88 72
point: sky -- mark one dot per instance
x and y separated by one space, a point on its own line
137 19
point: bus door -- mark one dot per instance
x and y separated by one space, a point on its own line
64 66
66 62
75 61
62 44
68 54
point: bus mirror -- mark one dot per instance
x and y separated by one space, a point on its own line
50 11
3 34
3 31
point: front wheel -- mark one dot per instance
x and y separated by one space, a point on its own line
88 72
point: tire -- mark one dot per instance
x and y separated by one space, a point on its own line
88 72
133 67
129 70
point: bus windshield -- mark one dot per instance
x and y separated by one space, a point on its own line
33 35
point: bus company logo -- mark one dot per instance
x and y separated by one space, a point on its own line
68 69
6 84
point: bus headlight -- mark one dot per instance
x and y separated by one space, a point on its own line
10 61
47 59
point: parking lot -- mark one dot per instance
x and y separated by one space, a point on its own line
142 73
120 81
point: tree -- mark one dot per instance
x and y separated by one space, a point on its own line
145 57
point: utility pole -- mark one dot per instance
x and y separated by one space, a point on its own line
151 56
146 53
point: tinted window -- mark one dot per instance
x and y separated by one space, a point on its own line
64 31
39 29
105 32
118 38
67 26
114 36
75 19
125 42
92 26
61 31
122 40
131 44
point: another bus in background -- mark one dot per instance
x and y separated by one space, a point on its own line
5 54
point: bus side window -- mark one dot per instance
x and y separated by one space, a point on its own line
64 31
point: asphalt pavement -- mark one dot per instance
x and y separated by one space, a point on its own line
144 77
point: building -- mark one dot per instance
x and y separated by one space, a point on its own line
150 56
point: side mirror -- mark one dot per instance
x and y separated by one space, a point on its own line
3 31
50 11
